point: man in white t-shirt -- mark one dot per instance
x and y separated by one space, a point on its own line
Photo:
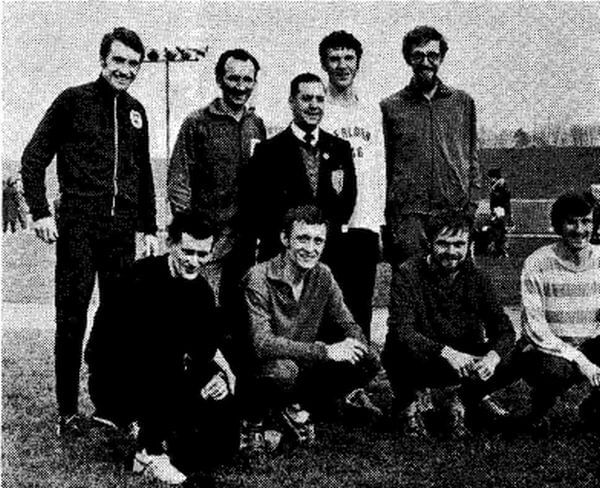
359 123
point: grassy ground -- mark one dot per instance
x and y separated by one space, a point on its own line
345 455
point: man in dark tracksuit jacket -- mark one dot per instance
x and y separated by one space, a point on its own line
99 135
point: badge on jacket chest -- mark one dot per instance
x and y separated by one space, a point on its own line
136 119
337 180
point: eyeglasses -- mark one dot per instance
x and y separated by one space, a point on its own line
419 57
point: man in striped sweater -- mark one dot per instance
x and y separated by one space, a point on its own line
560 287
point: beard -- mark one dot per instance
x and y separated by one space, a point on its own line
426 78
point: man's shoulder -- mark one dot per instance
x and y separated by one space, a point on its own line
457 93
394 98
256 276
541 258
328 139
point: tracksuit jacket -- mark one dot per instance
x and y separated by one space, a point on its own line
209 160
100 139
431 152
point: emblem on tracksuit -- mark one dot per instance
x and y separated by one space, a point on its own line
136 119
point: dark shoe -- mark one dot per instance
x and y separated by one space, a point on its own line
298 424
456 419
487 412
410 422
104 421
358 402
69 425
253 446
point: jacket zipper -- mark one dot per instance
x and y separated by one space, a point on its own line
116 165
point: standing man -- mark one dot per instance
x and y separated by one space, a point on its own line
99 135
209 162
560 288
431 147
349 117
301 165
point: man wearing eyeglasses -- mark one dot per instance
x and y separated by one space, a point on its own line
430 140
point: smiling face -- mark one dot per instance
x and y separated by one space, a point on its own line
341 65
121 66
237 83
449 249
189 255
304 244
576 232
307 105
425 61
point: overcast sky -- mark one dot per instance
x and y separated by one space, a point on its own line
524 62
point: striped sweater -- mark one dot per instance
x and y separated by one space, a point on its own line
561 300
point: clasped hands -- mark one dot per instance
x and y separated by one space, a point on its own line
470 366
350 350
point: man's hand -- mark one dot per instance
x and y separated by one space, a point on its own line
150 245
485 367
216 389
226 370
461 362
350 350
590 371
45 229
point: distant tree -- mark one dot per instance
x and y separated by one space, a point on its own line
521 138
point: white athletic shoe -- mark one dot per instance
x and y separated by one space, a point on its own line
157 466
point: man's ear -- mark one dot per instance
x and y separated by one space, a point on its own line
284 239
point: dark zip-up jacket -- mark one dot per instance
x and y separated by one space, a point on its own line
431 152
209 160
427 313
100 140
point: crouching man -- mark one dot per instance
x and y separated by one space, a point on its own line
308 352
185 408
446 330
560 288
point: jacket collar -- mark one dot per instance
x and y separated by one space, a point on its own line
443 90
299 133
276 270
217 107
105 89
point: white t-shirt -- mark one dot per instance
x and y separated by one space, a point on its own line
361 125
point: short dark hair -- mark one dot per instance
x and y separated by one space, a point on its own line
197 224
570 204
240 55
419 36
303 78
309 214
124 35
452 220
340 39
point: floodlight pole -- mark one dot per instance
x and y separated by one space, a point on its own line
168 55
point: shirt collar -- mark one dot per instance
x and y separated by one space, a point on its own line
276 270
299 133
217 106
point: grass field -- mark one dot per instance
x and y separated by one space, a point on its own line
345 455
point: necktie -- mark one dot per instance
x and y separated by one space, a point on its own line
308 138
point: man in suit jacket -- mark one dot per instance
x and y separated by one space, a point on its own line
301 165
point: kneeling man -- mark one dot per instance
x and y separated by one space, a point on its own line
445 329
307 348
185 385
560 288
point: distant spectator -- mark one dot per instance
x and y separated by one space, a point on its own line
595 189
560 288
500 212
14 208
